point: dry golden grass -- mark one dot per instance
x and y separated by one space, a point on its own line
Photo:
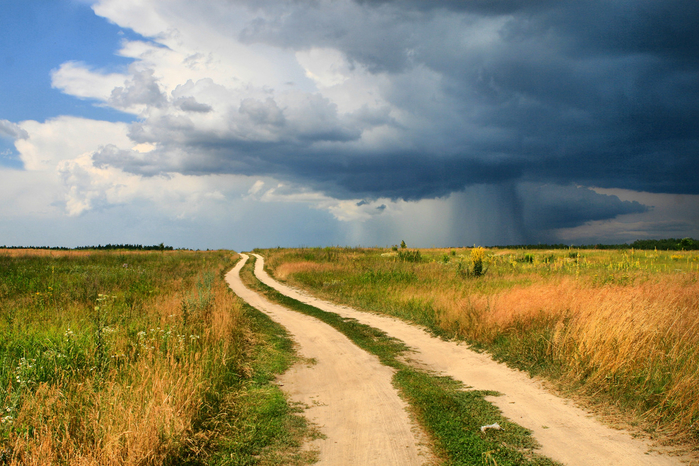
44 253
136 424
645 336
74 252
289 268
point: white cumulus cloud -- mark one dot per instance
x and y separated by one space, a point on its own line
79 80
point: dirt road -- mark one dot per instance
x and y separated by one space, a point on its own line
566 433
348 392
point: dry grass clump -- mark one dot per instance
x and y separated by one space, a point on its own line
44 253
289 268
141 423
30 252
643 343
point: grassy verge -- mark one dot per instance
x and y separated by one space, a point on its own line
258 424
620 328
137 358
450 414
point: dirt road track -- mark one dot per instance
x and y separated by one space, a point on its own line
348 391
566 433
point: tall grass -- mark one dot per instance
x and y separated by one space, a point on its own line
621 326
125 358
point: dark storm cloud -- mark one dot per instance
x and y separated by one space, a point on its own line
595 93
554 206
534 97
407 176
482 7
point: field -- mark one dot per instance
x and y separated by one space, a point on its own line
138 358
147 357
618 329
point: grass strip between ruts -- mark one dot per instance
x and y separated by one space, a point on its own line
450 414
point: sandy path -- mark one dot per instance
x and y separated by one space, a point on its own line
566 433
348 391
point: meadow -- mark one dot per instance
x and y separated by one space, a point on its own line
145 358
616 329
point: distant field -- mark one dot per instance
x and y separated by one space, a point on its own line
127 357
619 327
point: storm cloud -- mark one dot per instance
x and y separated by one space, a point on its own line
407 101
588 92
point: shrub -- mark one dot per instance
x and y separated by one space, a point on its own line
477 257
527 259
410 256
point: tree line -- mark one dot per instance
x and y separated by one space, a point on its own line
669 244
129 247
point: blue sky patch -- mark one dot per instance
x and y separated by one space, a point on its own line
37 37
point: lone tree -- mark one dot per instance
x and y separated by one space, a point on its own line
402 245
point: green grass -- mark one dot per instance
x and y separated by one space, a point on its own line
450 413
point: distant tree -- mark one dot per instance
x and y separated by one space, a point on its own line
403 245
669 244
686 243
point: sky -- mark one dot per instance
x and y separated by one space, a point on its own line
240 124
